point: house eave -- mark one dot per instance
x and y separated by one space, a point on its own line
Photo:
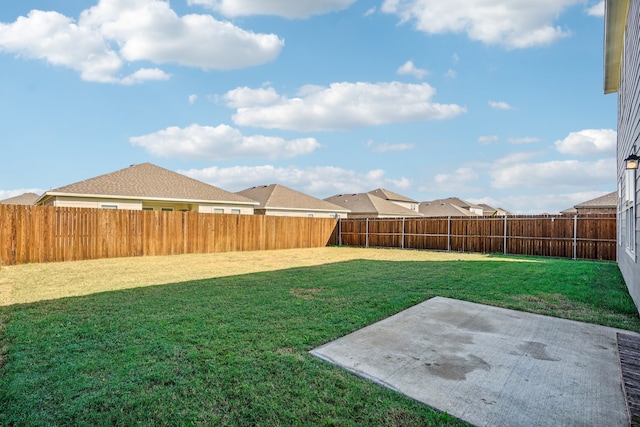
614 26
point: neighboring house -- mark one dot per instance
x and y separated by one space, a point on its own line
147 187
443 208
366 205
622 75
23 199
606 204
491 211
454 206
276 199
396 198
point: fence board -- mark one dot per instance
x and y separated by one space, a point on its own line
591 236
30 234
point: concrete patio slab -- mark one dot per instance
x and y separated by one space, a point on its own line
491 366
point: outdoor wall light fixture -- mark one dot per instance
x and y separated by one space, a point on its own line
632 161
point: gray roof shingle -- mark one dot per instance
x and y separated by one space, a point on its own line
148 181
390 195
22 199
443 208
607 201
276 196
368 204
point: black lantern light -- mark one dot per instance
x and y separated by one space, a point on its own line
632 161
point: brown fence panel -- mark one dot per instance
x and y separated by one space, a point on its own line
30 234
590 236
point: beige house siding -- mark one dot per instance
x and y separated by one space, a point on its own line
377 215
227 209
137 205
304 213
92 203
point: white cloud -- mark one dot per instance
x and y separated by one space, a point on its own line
596 10
516 157
151 30
500 105
340 106
488 139
409 68
370 11
284 8
555 174
193 98
523 140
384 147
318 181
589 142
220 142
510 23
115 33
462 179
60 41
244 97
145 74
451 73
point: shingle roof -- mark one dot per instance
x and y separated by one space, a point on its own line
607 201
443 208
368 204
276 196
390 195
148 181
23 199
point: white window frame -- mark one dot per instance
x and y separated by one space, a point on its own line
628 217
108 206
235 211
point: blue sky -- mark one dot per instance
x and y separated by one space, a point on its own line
497 102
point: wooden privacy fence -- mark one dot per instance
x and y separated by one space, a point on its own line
577 237
31 234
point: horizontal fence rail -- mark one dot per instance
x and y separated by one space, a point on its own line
591 236
33 234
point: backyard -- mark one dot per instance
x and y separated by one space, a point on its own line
223 339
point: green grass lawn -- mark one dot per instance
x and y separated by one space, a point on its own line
234 350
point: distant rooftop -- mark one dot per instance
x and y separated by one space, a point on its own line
23 199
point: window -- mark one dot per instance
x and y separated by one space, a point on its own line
218 210
167 209
235 211
310 215
109 206
629 212
147 208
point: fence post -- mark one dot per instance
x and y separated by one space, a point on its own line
366 234
575 237
339 231
403 232
449 234
504 244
